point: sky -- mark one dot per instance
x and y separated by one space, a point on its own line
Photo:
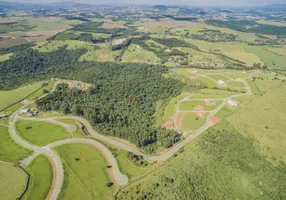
170 2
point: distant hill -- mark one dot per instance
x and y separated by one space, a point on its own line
160 7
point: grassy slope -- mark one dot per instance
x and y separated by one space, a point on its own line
263 118
134 54
13 181
86 178
41 177
41 133
10 151
221 164
49 46
9 97
5 57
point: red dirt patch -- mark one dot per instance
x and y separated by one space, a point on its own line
180 119
199 107
207 102
168 124
199 114
215 120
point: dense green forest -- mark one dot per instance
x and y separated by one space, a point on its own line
221 164
104 104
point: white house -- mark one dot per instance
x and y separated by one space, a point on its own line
232 103
220 82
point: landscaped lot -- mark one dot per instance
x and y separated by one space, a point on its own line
10 151
194 104
85 173
41 133
41 177
192 122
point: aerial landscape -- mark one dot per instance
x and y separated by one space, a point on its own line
142 100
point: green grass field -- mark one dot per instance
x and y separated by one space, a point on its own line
39 93
223 113
209 83
235 84
268 57
49 46
13 181
102 54
135 53
255 90
237 75
212 93
10 151
5 57
41 177
41 133
191 122
9 97
220 164
191 104
263 119
170 109
218 77
87 177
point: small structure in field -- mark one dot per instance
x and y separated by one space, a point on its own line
29 112
232 103
220 82
213 102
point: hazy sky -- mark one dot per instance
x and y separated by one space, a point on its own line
171 2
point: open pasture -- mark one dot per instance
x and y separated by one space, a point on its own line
86 173
49 46
135 53
102 54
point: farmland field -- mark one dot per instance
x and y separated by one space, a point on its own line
41 177
11 42
13 181
41 133
78 183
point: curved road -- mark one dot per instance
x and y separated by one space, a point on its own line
118 176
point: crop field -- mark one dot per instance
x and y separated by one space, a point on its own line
10 151
41 133
135 53
11 42
85 178
170 109
41 177
9 97
102 54
192 122
13 181
49 46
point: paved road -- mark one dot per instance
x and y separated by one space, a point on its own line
119 177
